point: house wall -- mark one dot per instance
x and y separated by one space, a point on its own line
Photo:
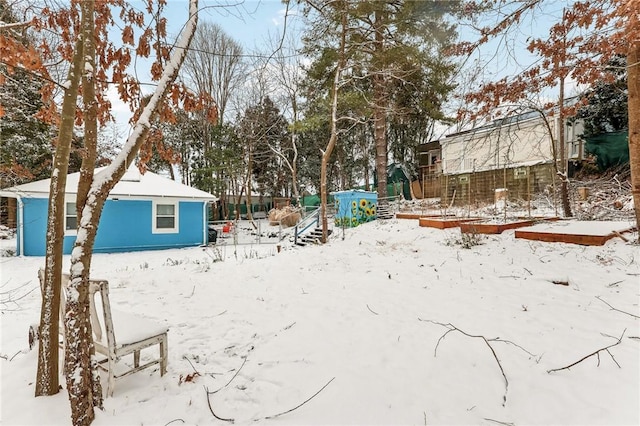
35 226
515 152
495 147
125 225
479 187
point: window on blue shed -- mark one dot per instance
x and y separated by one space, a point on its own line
165 216
70 217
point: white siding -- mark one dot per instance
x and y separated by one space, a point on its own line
514 144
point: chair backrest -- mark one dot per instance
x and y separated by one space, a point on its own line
95 286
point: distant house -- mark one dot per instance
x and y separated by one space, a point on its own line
515 152
142 212
430 170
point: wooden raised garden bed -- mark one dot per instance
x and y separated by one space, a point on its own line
410 215
444 222
588 233
480 227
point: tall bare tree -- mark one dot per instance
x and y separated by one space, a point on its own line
288 74
628 11
48 375
215 65
331 18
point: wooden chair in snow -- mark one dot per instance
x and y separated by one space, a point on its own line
118 334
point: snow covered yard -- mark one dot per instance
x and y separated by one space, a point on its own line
263 332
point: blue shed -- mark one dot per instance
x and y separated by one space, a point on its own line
143 212
354 207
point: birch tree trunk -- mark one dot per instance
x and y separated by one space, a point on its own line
80 365
563 172
247 184
79 350
47 380
294 166
326 154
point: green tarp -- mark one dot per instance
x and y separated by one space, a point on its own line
610 149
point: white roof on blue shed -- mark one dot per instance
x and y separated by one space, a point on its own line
132 185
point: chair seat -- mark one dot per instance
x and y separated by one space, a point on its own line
130 329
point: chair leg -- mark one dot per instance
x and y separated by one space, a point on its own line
111 383
136 359
164 354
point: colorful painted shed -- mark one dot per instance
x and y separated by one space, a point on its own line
143 212
354 207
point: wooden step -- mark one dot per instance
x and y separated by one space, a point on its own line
313 237
384 211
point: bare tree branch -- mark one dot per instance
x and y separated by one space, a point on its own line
616 309
211 409
174 420
452 328
189 361
230 380
301 404
499 422
606 348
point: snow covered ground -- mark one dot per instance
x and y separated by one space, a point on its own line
381 323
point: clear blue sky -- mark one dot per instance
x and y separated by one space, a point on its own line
248 21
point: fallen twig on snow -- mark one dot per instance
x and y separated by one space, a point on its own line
209 393
234 376
371 310
452 327
616 309
189 361
499 422
597 353
499 340
12 297
301 404
618 234
211 409
174 420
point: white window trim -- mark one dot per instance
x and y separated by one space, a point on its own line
154 228
69 232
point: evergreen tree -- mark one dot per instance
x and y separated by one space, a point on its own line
264 131
391 45
607 109
25 148
25 139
